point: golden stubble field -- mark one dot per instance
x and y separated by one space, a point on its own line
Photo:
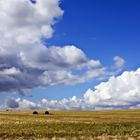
70 125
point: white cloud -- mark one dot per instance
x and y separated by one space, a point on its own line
10 71
25 63
24 22
57 57
121 92
25 104
117 92
119 62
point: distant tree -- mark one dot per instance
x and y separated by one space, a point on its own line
47 112
35 112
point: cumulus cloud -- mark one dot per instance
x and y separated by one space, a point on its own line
25 104
119 62
121 92
25 63
117 92
11 103
45 67
24 22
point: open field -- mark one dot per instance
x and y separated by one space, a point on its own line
73 125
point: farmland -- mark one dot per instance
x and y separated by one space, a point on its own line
75 125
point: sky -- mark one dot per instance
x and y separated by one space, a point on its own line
70 55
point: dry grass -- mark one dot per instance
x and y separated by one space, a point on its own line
73 125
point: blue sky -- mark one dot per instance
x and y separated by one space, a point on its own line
102 30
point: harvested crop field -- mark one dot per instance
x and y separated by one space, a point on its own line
71 125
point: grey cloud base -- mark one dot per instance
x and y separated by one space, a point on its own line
45 67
